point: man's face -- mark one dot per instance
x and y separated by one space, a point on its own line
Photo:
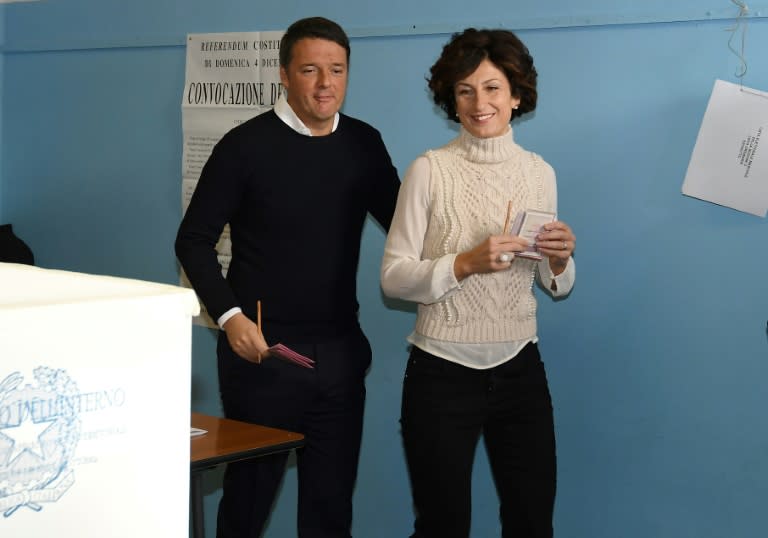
316 82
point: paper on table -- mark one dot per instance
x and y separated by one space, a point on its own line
726 167
195 432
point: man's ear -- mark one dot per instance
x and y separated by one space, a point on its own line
283 77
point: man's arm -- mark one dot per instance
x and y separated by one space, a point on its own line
385 187
213 203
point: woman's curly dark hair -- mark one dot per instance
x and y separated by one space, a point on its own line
466 50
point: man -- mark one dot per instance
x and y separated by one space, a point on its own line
295 185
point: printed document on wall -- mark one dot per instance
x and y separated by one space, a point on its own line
230 78
728 167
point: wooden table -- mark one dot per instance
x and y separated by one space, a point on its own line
226 441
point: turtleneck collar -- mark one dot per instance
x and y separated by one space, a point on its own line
487 150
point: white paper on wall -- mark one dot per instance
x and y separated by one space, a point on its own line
727 166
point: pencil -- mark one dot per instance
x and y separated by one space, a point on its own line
509 214
258 316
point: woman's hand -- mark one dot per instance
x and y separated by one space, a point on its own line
494 254
245 338
557 242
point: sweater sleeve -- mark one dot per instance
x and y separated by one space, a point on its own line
216 198
386 184
404 274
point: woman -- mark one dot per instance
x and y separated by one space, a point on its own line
474 367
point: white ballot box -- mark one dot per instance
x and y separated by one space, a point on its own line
94 405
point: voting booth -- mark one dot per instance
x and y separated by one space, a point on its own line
94 405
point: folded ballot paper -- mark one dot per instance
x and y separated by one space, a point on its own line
528 224
284 352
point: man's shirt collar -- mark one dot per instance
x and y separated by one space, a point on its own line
289 117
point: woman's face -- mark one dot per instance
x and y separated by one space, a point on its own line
484 101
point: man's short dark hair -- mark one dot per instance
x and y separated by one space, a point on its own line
311 27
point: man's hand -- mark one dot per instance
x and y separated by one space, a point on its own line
245 338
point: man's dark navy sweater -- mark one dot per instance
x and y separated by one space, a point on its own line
296 206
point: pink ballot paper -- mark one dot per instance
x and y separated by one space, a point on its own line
284 352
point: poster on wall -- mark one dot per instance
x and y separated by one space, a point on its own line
727 166
230 78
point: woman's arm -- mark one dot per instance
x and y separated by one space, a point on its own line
404 274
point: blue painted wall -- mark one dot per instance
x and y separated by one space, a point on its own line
657 362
